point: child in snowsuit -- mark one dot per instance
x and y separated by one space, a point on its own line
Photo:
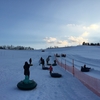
51 69
30 61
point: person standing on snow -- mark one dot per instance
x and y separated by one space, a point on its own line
40 61
30 61
51 69
43 63
26 69
47 60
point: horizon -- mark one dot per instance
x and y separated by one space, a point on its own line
12 47
41 24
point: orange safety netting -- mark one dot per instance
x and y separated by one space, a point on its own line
91 82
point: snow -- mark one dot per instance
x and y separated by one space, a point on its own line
48 88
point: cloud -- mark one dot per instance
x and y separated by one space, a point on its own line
55 42
72 40
77 40
91 27
71 26
50 39
62 42
77 35
85 34
80 33
80 28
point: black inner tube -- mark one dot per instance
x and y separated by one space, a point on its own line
56 75
45 68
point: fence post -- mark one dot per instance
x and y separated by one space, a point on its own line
65 64
73 68
61 62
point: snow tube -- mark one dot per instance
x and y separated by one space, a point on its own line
27 86
49 64
45 68
54 64
56 75
85 69
63 55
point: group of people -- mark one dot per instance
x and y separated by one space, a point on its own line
42 61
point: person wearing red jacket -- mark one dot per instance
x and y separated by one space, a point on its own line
51 69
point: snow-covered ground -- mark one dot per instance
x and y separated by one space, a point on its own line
48 88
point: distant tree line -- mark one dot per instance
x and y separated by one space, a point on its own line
15 47
53 47
91 44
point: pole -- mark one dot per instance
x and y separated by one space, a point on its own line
65 64
73 68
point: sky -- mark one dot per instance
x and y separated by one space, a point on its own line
67 87
49 23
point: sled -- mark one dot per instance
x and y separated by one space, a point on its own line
56 75
45 68
27 86
85 69
54 64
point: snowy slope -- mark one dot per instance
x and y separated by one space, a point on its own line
48 88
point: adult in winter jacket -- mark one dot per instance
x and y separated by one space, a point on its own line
47 60
26 69
43 63
40 61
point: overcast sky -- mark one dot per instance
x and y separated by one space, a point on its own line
45 23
